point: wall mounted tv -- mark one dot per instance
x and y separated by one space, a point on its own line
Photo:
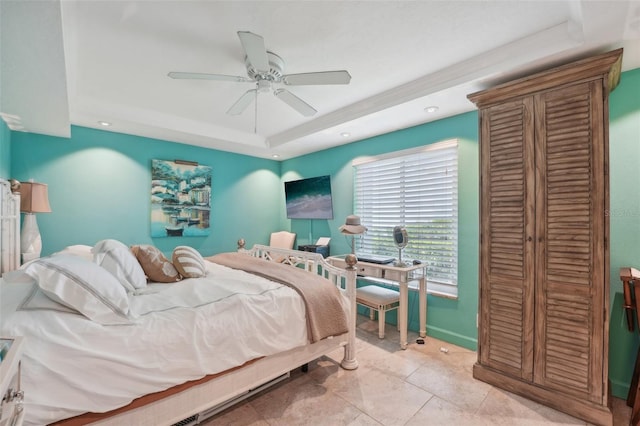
309 198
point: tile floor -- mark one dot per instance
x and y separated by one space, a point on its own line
419 386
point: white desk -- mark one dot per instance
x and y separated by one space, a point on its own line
401 275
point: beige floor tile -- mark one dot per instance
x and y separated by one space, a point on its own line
508 408
302 402
448 376
364 420
421 385
327 372
384 397
438 412
394 360
370 326
369 331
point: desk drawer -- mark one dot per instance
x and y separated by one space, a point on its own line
369 271
398 276
361 268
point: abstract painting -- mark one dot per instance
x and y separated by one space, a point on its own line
180 199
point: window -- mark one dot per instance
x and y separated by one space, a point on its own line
417 189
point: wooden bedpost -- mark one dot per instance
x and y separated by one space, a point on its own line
349 361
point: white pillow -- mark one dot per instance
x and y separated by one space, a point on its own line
82 285
189 262
116 258
37 300
78 250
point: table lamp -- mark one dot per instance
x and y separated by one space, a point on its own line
33 199
352 227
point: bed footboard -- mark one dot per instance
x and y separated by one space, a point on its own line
344 279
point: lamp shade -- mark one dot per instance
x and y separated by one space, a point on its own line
34 198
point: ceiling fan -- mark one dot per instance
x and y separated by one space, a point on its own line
265 69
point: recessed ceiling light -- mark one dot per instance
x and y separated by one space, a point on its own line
275 156
345 134
104 123
431 109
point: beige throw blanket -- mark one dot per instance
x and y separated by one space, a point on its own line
323 301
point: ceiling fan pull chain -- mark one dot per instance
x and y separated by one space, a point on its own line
255 123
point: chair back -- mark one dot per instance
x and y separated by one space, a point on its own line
282 239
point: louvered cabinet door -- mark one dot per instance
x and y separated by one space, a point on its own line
506 247
570 204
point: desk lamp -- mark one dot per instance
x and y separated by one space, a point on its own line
353 227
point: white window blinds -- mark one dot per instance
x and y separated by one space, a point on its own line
417 189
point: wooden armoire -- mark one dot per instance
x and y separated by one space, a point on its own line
544 236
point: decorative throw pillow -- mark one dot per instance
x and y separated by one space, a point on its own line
116 258
83 286
157 267
189 262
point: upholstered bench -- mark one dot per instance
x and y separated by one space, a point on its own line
378 299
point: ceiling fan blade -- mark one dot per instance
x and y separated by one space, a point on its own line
322 77
242 103
202 76
295 102
253 46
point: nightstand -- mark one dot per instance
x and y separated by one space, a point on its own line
11 408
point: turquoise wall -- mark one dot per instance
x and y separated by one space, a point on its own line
5 150
99 187
624 217
99 183
451 320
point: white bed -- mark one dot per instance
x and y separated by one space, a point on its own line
236 330
181 332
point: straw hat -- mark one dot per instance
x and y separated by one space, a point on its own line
352 226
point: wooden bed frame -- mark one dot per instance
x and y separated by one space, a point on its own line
192 402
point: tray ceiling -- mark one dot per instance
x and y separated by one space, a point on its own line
86 62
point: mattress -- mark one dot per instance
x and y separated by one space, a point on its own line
183 331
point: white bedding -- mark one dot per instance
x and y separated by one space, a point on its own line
72 365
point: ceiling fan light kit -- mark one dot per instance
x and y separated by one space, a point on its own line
273 71
265 69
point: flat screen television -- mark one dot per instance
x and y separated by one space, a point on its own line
309 198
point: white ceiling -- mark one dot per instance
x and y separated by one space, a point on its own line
81 62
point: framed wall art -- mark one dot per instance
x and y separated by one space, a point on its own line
180 199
